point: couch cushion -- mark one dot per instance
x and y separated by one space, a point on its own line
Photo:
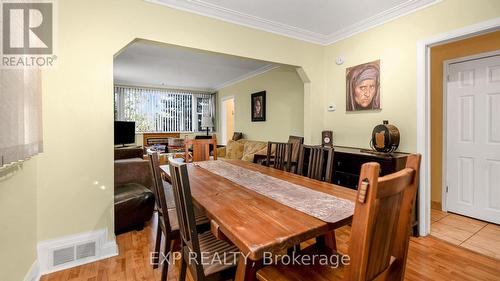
234 149
252 147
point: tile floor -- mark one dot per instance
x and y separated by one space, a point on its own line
475 235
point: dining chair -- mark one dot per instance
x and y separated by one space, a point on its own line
200 149
193 244
279 155
318 166
167 221
380 233
296 142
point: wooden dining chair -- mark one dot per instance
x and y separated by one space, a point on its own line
380 232
193 243
200 149
319 162
296 143
279 155
167 221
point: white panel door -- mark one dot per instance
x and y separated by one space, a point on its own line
473 138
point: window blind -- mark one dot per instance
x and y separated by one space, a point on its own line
163 110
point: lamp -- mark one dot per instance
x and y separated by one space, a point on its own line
206 122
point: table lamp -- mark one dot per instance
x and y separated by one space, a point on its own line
206 122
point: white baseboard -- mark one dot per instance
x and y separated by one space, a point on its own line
34 272
103 249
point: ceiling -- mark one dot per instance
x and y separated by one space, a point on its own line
144 63
317 21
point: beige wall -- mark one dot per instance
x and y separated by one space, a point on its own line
467 47
395 44
284 105
18 220
78 97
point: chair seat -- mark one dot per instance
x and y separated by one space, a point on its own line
315 272
174 221
210 246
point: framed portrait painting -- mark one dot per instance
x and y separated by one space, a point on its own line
363 87
258 106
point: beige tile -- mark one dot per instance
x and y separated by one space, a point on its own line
449 233
486 241
463 223
436 215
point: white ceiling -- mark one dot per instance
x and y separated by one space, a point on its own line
144 63
317 21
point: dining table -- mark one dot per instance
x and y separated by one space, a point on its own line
255 223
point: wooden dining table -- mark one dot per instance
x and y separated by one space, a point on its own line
253 222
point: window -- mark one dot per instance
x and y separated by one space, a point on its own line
163 110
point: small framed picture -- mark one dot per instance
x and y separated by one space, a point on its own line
259 106
363 87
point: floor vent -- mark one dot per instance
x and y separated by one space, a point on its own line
64 255
69 254
85 250
74 250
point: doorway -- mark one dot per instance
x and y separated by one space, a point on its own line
227 119
472 154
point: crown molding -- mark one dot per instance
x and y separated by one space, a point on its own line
248 75
213 11
203 8
380 19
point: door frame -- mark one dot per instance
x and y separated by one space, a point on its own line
423 108
223 118
446 65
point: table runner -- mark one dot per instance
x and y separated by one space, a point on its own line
320 205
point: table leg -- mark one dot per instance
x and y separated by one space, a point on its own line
328 240
247 270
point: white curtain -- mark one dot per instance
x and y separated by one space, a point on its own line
20 114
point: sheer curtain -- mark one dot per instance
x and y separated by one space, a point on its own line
20 114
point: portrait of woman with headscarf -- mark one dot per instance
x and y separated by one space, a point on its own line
363 86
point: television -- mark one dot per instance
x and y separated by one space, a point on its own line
124 132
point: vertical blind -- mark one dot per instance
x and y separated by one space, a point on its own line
20 114
163 110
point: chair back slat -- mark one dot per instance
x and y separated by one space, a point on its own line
159 191
296 143
185 213
378 221
201 149
282 155
318 157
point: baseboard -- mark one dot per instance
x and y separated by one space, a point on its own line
436 205
69 246
34 272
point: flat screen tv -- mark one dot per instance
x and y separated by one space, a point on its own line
124 132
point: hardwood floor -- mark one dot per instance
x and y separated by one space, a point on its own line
476 235
429 259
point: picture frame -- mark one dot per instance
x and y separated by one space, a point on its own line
363 87
258 106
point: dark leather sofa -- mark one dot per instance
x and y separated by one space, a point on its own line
134 200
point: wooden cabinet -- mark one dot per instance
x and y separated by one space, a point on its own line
348 161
